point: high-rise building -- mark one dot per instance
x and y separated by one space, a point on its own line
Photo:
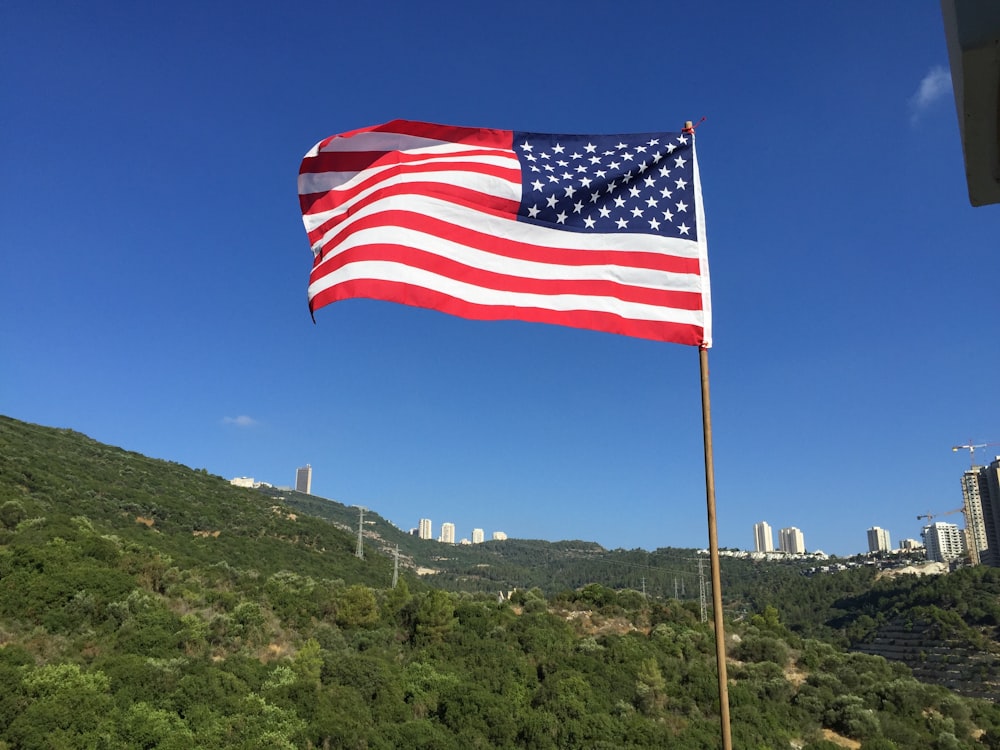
878 540
792 541
477 536
973 490
447 533
981 503
304 479
944 542
989 488
763 540
499 536
425 529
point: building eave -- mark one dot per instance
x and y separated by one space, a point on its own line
972 30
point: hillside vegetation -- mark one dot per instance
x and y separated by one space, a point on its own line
147 605
949 623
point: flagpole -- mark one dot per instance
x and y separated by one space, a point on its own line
713 548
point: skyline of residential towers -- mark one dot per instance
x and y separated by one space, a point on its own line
943 542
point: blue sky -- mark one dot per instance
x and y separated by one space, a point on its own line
153 264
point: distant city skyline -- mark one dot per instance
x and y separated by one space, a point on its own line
449 533
791 540
943 542
981 507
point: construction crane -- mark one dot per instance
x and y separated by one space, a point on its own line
929 516
971 542
971 447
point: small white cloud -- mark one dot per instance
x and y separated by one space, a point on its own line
934 86
240 421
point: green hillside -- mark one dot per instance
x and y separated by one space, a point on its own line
943 628
557 566
147 605
57 477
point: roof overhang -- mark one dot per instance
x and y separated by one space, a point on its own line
972 29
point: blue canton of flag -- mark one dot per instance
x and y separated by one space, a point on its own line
638 183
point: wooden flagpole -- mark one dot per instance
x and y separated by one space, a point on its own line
713 547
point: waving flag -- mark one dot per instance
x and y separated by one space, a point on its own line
604 232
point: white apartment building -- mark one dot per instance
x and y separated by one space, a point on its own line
944 542
763 539
447 533
478 536
878 540
792 541
499 536
424 530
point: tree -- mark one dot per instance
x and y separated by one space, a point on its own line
308 663
259 724
650 687
64 707
762 648
477 711
878 743
769 621
356 607
144 726
11 514
422 685
435 617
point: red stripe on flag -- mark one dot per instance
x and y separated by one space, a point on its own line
313 203
509 248
357 161
486 137
451 269
415 296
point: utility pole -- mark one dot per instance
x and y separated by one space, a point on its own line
644 587
360 551
701 590
395 568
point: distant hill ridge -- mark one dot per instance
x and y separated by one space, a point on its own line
57 483
191 516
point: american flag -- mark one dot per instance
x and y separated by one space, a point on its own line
604 232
